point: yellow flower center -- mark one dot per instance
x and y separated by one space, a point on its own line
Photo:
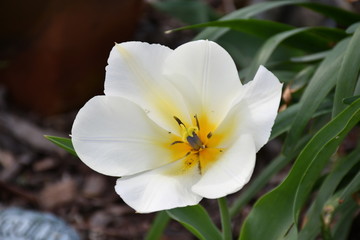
197 146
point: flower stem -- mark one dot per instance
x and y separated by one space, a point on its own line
225 219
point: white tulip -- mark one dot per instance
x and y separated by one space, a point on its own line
176 125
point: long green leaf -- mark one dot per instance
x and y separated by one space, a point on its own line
277 211
64 143
268 48
244 13
320 85
197 221
188 11
310 58
295 37
343 223
348 73
328 187
282 124
318 40
342 16
258 183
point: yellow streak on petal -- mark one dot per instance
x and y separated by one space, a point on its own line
185 165
223 135
208 157
206 126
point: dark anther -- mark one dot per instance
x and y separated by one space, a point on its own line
197 122
179 121
177 142
209 135
194 142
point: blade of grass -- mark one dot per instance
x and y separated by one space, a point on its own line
328 187
342 16
348 73
268 48
319 86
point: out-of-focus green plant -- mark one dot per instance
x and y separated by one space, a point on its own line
320 67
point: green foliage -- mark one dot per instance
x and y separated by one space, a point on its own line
188 11
64 143
278 211
197 221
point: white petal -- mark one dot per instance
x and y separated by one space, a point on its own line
134 72
207 77
230 172
262 96
115 137
159 189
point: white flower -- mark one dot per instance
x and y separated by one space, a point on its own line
175 125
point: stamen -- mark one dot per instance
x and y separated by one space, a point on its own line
197 121
209 135
177 142
195 142
179 121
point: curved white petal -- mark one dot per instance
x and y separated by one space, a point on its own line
230 172
134 72
206 76
159 189
262 97
115 137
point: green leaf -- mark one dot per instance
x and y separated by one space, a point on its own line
268 48
352 28
277 211
244 13
241 55
328 187
320 39
350 100
197 221
158 226
348 73
310 58
342 16
188 11
343 223
319 86
352 187
283 120
258 183
64 143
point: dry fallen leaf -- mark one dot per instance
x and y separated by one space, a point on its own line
59 193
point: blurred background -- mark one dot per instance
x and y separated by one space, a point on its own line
52 59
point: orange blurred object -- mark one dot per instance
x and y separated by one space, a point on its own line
55 51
